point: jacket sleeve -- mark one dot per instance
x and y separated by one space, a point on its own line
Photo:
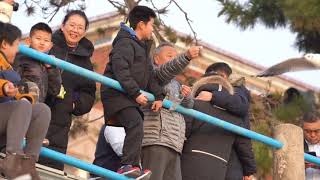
25 68
54 81
121 57
169 70
154 84
243 148
237 104
2 83
84 96
29 97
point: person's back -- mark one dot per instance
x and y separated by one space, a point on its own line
242 161
207 149
46 77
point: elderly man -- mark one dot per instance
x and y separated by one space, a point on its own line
311 131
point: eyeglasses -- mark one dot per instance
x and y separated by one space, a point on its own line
79 28
310 131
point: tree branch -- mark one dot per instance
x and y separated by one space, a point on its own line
120 7
189 21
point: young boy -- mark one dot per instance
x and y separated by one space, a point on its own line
19 118
131 66
46 77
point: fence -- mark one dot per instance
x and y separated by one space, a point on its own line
167 104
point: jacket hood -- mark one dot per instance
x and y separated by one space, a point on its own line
125 32
84 48
129 33
213 79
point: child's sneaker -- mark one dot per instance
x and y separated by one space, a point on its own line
130 171
144 175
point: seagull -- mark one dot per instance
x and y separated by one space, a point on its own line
307 62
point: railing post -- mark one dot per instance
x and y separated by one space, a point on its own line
288 162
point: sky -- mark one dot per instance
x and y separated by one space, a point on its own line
259 45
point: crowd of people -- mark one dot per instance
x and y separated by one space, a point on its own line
140 139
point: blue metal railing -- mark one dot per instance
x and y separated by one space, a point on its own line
167 104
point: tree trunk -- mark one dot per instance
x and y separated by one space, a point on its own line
130 4
288 163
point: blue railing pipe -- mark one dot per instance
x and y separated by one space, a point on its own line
167 104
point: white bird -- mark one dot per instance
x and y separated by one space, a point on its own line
307 62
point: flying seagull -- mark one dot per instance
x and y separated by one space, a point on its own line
307 62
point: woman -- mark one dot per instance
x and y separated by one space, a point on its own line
70 45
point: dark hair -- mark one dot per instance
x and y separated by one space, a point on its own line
76 12
40 27
220 66
140 13
9 33
311 117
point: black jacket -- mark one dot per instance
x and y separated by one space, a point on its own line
208 147
79 90
242 160
47 79
131 65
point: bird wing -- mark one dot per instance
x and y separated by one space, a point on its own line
290 65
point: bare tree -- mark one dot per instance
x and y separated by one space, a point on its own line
50 8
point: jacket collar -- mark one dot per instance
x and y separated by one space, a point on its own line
4 64
126 28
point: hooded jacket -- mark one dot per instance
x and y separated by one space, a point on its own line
130 64
208 148
80 91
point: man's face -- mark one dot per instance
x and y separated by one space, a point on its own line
10 50
166 54
41 41
311 132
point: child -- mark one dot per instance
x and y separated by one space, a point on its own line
19 118
45 76
131 66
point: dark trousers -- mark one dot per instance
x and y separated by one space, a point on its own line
131 119
58 133
164 162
